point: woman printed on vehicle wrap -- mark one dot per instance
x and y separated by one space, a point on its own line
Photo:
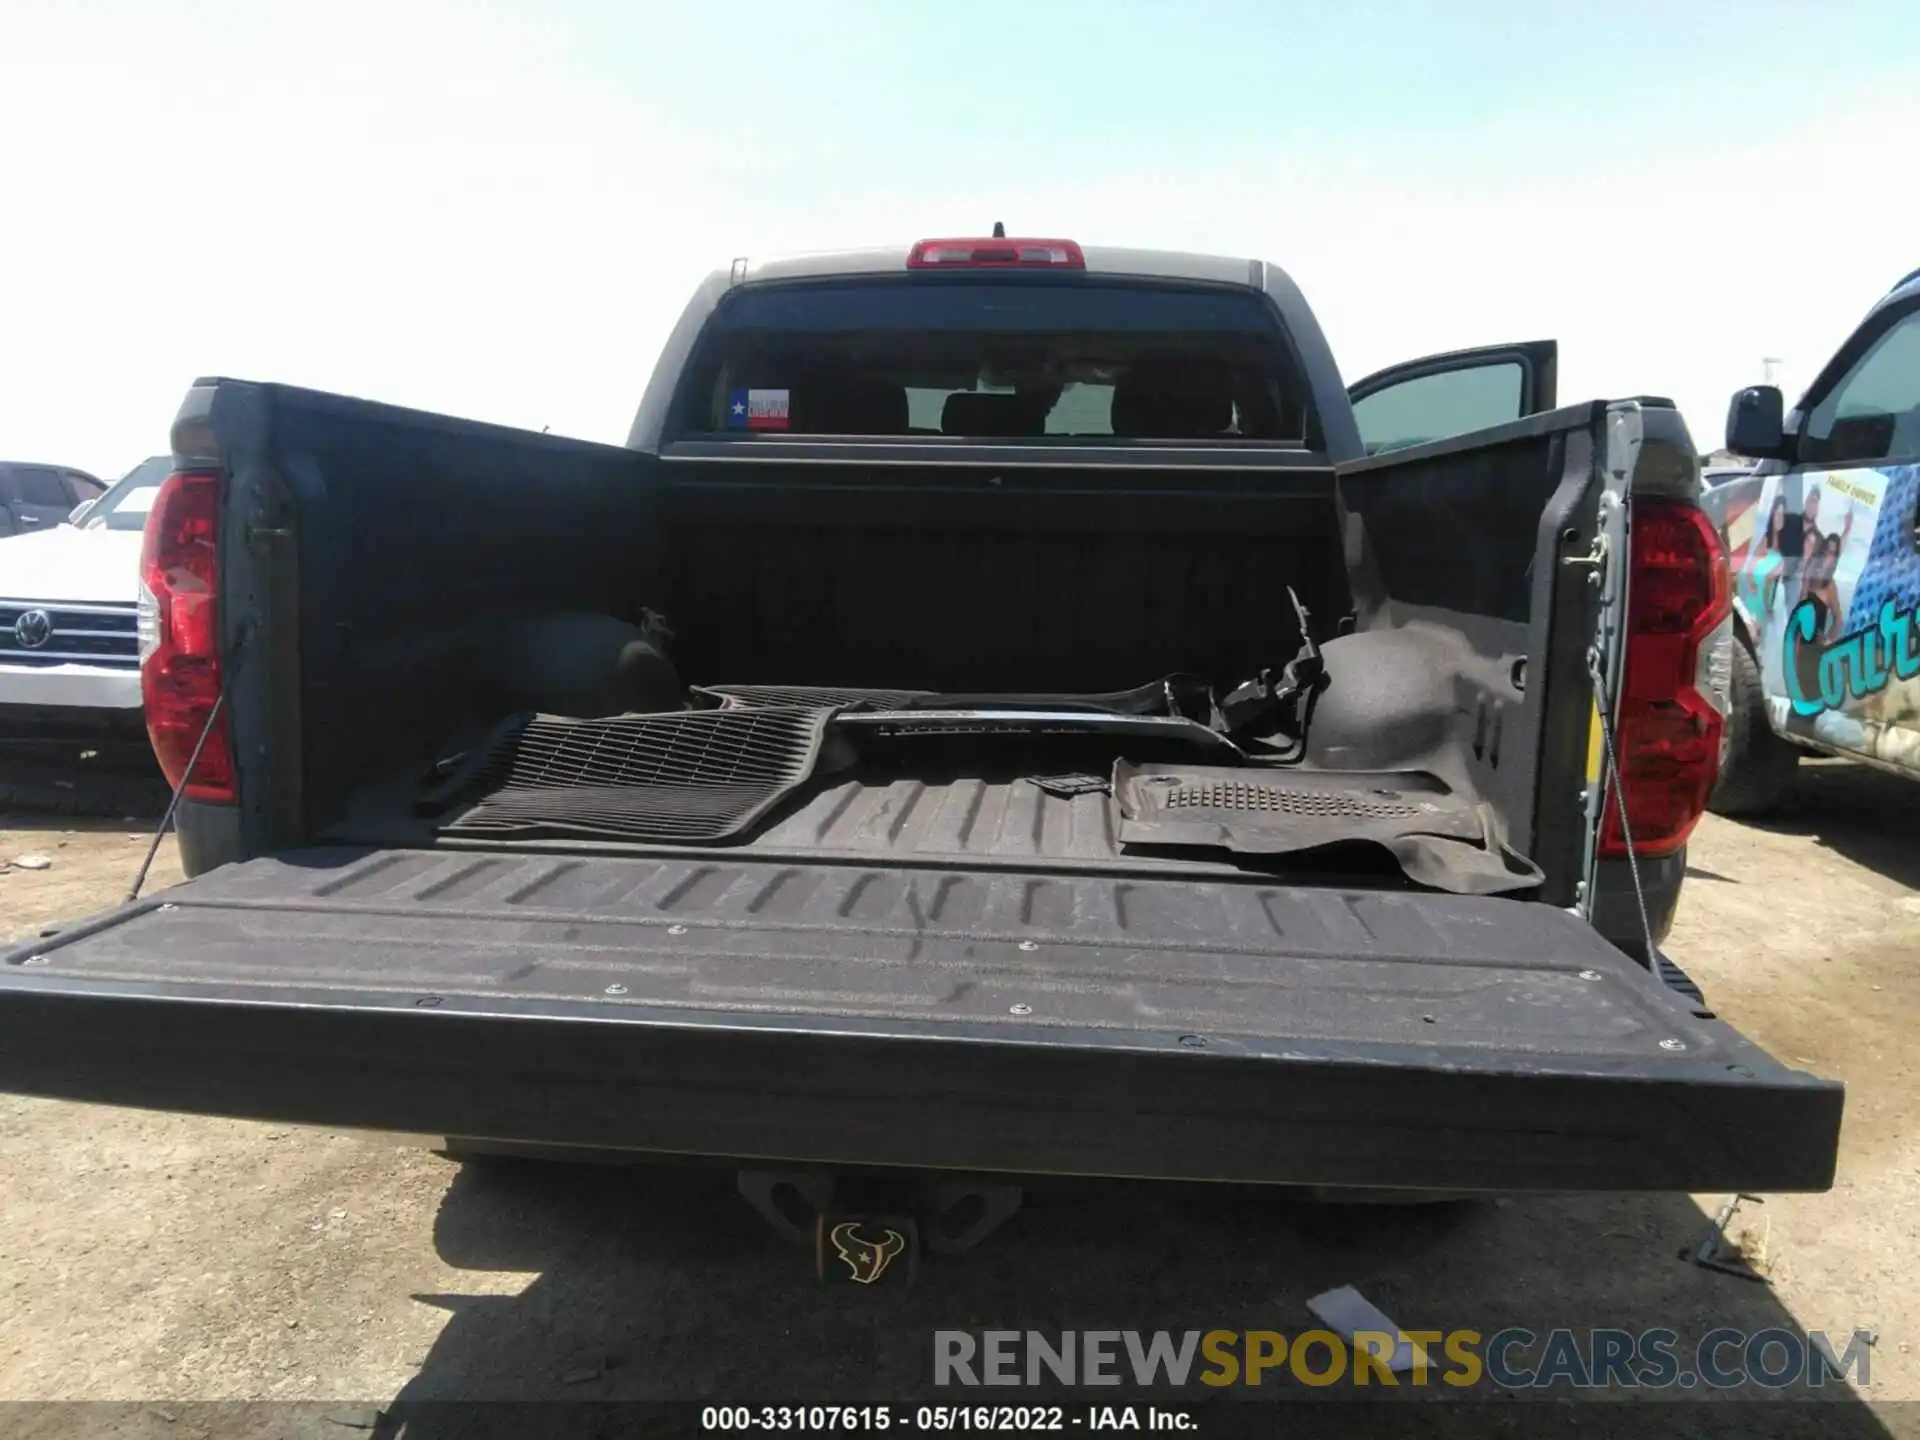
1761 575
1823 592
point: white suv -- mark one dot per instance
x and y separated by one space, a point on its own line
69 651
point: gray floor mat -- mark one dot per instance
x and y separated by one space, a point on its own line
698 775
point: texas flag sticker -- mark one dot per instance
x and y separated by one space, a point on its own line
757 410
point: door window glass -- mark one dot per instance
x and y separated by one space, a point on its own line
1436 406
1874 413
41 486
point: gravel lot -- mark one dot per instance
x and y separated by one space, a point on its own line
164 1259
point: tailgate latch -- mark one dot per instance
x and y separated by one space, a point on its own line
1594 561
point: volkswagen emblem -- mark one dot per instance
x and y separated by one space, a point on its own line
33 629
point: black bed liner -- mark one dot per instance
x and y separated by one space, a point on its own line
1066 1023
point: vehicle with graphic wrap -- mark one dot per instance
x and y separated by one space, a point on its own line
1824 548
1008 709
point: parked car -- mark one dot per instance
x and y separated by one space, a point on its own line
1825 553
39 497
1115 746
1713 476
69 655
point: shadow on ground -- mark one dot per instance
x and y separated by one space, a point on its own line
1866 815
33 787
661 1284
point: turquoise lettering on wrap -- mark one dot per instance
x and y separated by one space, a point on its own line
1800 626
1853 668
1902 634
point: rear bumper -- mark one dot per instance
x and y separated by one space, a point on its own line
553 1003
209 836
57 732
25 688
1616 908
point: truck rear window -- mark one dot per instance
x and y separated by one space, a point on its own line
1002 358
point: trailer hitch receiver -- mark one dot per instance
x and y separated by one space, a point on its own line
870 1230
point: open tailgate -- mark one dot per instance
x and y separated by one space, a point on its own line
1065 1023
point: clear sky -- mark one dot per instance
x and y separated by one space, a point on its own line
496 209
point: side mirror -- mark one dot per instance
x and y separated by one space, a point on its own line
79 512
1756 423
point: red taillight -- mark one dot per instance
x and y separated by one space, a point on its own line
996 254
180 635
1668 726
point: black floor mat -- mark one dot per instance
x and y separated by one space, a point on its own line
698 776
1440 838
744 697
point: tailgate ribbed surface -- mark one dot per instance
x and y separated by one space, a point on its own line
1268 967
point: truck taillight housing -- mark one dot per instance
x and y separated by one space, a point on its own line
179 622
1668 727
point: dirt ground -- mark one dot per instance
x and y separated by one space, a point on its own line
166 1259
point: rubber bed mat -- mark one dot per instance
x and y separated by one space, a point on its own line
1439 838
693 776
753 697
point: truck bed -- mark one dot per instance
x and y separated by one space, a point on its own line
733 1005
995 822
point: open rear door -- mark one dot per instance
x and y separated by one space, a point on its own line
1438 396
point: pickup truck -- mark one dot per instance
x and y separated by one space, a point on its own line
1823 536
1008 709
